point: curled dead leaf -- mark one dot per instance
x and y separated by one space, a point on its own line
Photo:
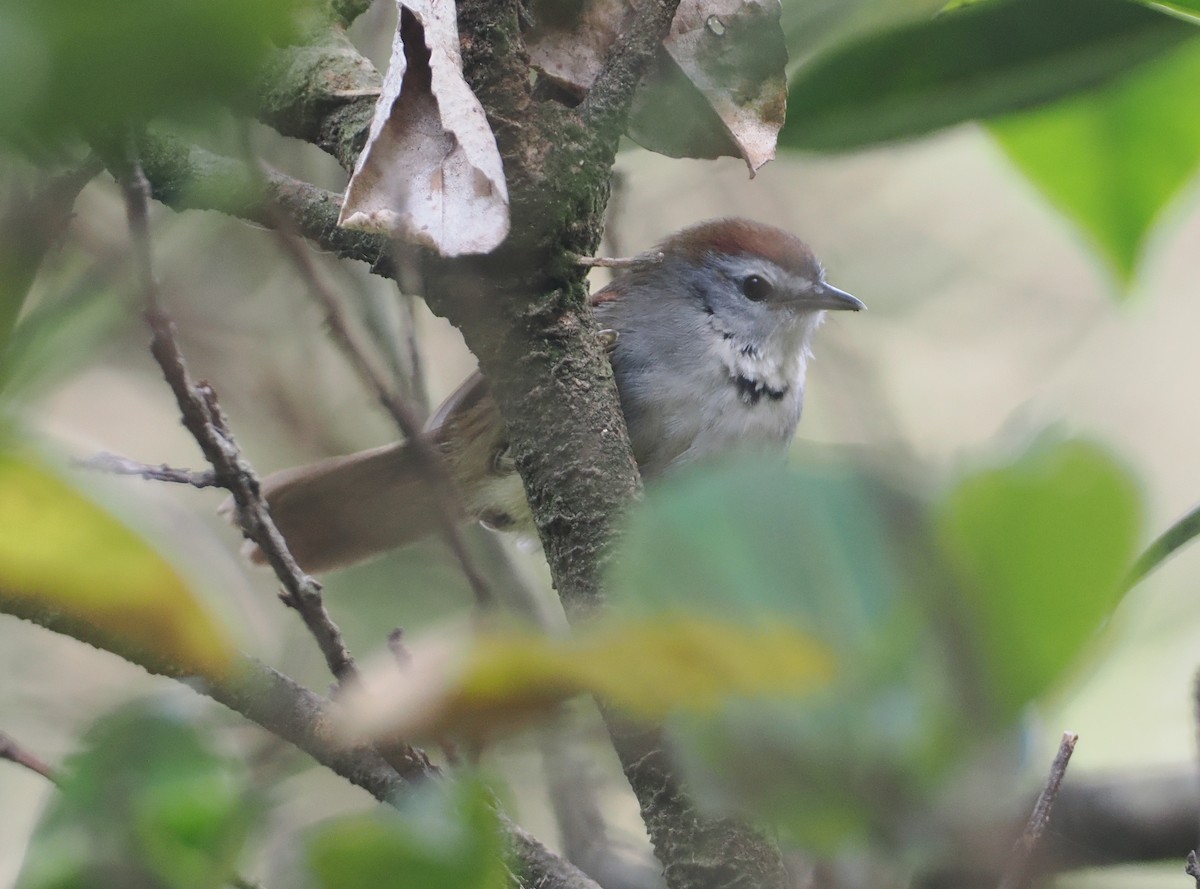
718 88
430 173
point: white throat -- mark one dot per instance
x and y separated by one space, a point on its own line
773 367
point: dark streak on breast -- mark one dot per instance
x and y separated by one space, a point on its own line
752 391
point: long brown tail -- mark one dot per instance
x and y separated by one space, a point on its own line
347 509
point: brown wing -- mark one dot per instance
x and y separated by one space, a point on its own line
468 430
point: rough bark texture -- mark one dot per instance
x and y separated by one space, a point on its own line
323 93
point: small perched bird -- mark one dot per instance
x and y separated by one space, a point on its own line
712 340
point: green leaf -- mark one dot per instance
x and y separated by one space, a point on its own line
1113 159
978 61
146 803
61 553
759 543
829 550
76 66
58 335
1040 547
446 836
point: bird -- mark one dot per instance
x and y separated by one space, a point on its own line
709 337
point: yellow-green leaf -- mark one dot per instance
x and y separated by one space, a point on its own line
64 556
482 686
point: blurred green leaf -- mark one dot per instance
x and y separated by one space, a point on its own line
77 66
446 836
829 550
1041 547
61 553
759 543
147 803
814 26
1111 160
56 337
31 222
978 61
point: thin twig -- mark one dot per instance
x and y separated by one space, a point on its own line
1017 873
205 420
118 465
619 262
203 417
398 409
14 752
1164 546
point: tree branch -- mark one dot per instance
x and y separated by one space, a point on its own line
188 178
323 92
203 418
301 717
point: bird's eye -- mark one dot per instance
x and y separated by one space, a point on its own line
756 287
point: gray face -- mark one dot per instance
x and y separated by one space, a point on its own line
712 353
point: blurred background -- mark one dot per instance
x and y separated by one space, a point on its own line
990 318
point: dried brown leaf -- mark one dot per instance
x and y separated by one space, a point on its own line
717 89
430 173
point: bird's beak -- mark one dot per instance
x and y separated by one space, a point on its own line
826 296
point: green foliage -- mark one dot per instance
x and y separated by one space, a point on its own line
1040 548
146 803
444 836
978 61
1112 159
57 336
823 548
758 544
944 623
63 554
76 66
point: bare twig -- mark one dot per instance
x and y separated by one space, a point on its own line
1017 873
622 262
206 422
203 417
14 752
405 418
118 465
